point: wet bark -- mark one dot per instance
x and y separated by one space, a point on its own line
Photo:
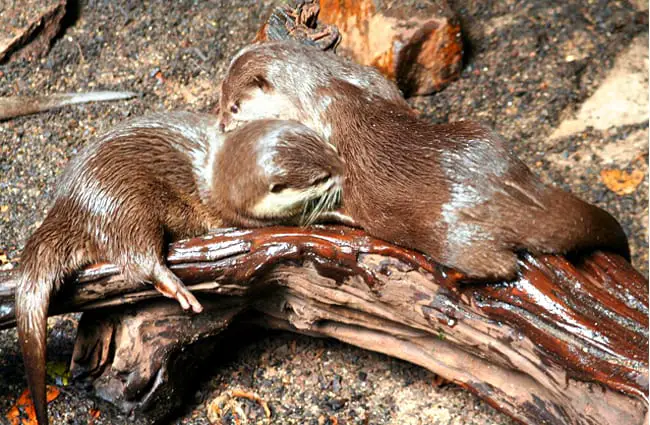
566 342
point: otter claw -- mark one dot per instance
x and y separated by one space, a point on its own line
192 302
187 300
183 302
320 35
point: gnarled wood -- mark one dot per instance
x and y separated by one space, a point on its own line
301 23
415 43
565 342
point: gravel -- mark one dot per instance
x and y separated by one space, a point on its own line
516 78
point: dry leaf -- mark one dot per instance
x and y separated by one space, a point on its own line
58 371
226 403
94 414
23 413
621 182
253 397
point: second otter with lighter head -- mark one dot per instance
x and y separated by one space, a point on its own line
453 191
156 179
250 94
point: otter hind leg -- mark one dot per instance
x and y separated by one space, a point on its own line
150 267
487 263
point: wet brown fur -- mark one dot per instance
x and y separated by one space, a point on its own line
141 185
453 191
290 58
313 161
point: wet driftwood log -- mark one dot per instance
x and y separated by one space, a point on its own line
415 43
565 343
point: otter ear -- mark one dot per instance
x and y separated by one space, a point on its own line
262 83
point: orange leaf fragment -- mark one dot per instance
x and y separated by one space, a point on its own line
94 414
23 413
621 182
253 397
227 402
438 381
52 393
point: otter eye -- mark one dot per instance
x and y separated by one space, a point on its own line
322 179
234 108
278 187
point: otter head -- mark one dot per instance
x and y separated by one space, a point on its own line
248 94
291 80
275 80
277 172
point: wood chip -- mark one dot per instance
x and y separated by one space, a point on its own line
622 182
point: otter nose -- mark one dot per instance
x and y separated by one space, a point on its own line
224 122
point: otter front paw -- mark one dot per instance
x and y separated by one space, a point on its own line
168 284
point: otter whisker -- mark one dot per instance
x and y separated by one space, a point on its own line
317 205
307 207
313 208
305 210
317 209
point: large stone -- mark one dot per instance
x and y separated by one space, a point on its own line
611 153
28 27
621 99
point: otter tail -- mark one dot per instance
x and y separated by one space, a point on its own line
32 302
46 260
571 224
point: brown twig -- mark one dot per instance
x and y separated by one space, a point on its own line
17 106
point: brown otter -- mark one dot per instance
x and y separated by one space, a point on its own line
160 177
453 191
261 102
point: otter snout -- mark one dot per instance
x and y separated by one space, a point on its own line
224 122
228 124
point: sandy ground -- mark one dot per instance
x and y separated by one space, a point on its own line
565 83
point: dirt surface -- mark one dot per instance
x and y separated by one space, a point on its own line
530 66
